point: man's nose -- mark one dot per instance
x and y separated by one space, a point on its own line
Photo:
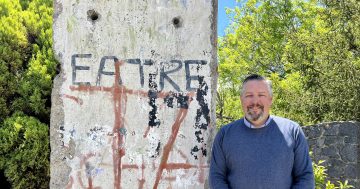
255 99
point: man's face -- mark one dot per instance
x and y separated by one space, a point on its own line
256 101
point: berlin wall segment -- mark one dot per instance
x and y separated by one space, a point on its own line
120 92
133 106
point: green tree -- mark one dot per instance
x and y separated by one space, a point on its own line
14 53
27 67
327 56
36 84
308 48
24 152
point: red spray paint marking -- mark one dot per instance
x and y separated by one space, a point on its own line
184 157
70 183
202 171
167 148
169 166
82 163
119 97
146 131
74 98
142 180
182 154
78 175
119 93
119 140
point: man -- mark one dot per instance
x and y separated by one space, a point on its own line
260 151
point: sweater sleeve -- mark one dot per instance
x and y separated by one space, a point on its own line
218 170
303 176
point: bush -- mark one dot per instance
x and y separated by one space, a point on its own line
321 181
24 152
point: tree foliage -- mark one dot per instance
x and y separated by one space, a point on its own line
27 67
27 61
308 48
321 181
24 152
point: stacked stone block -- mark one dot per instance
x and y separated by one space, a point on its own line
338 144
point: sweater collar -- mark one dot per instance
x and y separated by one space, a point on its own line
248 124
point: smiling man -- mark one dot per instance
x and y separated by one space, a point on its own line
260 151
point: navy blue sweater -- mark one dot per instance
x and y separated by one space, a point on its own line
272 157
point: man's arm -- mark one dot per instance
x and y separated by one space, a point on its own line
218 170
303 175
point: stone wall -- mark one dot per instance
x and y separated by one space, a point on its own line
338 144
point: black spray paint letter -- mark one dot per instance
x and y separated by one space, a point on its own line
101 69
76 67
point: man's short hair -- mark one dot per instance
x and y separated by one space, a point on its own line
256 77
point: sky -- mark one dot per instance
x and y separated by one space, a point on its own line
223 21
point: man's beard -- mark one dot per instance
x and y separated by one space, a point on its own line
253 116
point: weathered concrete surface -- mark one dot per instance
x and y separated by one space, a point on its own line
134 105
